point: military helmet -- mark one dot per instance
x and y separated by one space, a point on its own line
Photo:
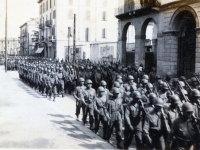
182 78
184 92
158 77
182 83
159 102
193 79
145 76
103 83
195 93
52 73
152 97
101 89
144 81
116 84
130 77
137 95
187 107
150 85
88 81
120 81
175 99
115 90
60 68
165 86
119 77
81 80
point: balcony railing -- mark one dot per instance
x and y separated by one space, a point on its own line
49 23
41 26
134 7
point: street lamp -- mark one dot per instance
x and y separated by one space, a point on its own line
69 35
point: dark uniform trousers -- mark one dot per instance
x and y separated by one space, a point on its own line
133 117
79 103
115 110
60 83
154 131
88 107
100 114
52 87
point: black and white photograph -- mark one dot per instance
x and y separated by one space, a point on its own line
100 74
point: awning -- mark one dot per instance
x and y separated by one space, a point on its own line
39 50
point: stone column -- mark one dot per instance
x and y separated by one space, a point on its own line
121 50
140 49
154 49
170 53
197 59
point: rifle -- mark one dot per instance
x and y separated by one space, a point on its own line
172 93
166 125
181 88
184 79
197 78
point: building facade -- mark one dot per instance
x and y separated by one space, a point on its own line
176 40
29 35
13 46
95 23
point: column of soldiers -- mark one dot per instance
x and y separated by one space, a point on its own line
158 113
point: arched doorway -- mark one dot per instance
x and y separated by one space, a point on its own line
149 30
128 45
185 24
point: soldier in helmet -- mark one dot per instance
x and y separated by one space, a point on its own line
104 85
72 79
184 134
150 106
60 78
143 90
52 86
78 95
47 80
169 79
163 92
195 100
115 116
89 97
194 83
153 128
133 119
100 109
157 84
97 77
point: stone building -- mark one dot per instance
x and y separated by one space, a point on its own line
95 23
175 40
29 37
13 46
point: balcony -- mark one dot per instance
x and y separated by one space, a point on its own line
136 9
41 26
48 23
52 38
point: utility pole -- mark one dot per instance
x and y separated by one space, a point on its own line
6 40
74 39
69 35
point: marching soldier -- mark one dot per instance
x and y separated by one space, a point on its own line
89 96
52 86
60 77
78 95
184 134
100 109
133 119
115 116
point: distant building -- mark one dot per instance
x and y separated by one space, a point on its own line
95 23
29 34
174 45
12 46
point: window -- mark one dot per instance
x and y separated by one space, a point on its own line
54 14
104 16
70 14
87 34
87 15
46 5
87 2
70 2
104 33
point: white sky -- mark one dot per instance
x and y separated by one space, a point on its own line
19 12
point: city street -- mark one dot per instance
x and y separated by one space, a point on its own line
29 120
